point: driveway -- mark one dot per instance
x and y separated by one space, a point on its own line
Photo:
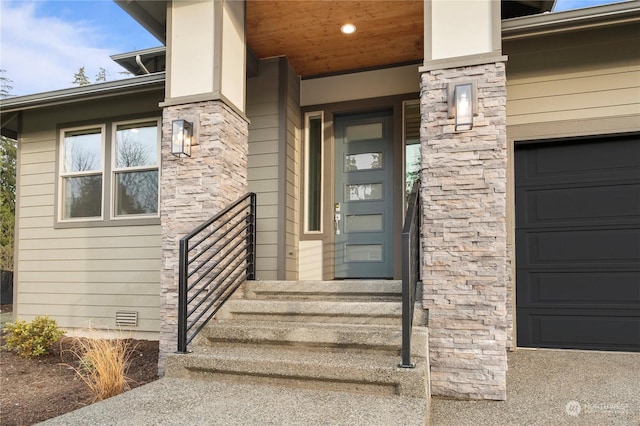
556 387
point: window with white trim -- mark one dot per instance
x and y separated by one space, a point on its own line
81 173
135 159
109 172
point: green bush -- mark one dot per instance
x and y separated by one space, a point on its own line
32 339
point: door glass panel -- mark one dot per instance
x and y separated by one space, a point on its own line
364 161
364 191
362 132
364 253
363 223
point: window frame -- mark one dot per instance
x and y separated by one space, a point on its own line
115 170
108 218
61 175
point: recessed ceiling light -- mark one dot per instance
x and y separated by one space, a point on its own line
348 29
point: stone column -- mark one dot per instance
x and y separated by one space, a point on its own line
464 235
195 189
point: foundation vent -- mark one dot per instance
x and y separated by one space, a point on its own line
126 319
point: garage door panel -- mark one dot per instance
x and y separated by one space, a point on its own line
589 330
575 161
579 247
590 290
593 205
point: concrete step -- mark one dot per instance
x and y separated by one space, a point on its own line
347 290
372 337
313 311
338 369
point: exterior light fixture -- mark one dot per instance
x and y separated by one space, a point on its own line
181 138
348 29
462 105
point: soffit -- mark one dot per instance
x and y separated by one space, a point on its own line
308 33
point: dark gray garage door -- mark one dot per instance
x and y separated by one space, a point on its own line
578 243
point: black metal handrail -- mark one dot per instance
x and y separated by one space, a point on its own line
215 259
410 270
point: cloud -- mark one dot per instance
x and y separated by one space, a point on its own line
42 53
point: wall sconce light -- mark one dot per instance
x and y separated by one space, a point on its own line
462 105
181 138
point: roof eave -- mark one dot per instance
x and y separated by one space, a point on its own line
91 91
571 20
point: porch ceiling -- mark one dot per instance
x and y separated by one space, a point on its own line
308 33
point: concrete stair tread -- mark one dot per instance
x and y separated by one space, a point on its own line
361 371
372 336
324 308
312 355
335 290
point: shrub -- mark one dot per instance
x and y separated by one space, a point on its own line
103 365
32 339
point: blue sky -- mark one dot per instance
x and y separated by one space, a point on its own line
44 42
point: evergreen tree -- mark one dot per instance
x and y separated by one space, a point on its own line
80 78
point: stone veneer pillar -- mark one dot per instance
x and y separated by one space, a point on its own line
194 189
464 235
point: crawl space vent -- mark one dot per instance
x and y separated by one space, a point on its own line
126 318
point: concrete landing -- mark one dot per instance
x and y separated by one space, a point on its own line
171 401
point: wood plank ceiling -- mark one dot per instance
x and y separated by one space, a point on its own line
308 33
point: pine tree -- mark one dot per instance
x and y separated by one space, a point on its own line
80 78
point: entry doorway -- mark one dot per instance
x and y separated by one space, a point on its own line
363 190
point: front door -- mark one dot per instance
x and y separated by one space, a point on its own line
363 208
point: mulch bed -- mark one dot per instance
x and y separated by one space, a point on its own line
33 390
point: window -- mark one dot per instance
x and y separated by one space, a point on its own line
313 173
81 173
109 172
135 170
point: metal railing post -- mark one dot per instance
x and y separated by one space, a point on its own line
251 240
410 265
407 318
182 296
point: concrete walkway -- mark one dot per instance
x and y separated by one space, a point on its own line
544 387
192 402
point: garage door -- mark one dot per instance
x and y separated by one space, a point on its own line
578 244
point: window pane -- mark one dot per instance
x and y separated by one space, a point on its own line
363 223
314 173
363 192
363 132
82 196
82 151
137 145
136 193
365 161
364 253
